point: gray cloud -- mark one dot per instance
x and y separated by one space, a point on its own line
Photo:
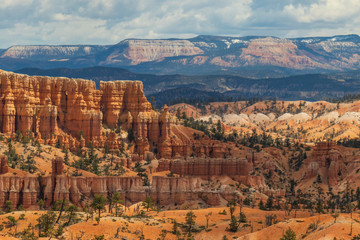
110 21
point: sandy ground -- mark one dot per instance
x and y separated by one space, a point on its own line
151 226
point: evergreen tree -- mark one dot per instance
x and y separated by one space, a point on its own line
8 206
41 204
12 156
45 224
12 222
190 221
98 204
270 203
147 203
162 235
71 209
242 218
66 157
116 199
175 229
234 224
289 235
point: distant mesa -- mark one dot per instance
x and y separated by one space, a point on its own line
246 56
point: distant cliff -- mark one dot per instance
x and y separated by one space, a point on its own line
246 56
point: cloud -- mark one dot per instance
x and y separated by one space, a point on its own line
110 21
324 10
186 17
6 4
323 18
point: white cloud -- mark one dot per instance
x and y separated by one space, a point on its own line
5 4
65 29
324 10
109 21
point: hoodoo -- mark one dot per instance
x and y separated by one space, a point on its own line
72 111
59 186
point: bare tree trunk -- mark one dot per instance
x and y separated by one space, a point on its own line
58 219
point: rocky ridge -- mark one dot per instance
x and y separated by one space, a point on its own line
269 56
51 52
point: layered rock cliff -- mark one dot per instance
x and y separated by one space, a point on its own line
46 106
327 164
27 190
72 111
200 55
237 169
135 51
207 167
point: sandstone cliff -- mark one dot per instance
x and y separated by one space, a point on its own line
207 167
331 165
139 51
45 106
237 169
72 111
27 190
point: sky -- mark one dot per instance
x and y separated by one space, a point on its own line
39 22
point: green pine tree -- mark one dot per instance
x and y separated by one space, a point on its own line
289 235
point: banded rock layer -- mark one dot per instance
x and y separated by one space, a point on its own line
72 111
29 189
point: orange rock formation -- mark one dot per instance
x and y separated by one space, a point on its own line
326 160
29 189
72 111
237 169
45 106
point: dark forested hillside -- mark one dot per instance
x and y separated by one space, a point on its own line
172 89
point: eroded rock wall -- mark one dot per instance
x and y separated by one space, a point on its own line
207 167
46 105
327 161
27 190
72 111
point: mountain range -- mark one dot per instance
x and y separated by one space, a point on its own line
252 56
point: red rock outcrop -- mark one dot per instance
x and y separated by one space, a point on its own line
119 98
326 160
17 189
3 165
170 190
72 111
207 167
237 169
45 106
27 190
